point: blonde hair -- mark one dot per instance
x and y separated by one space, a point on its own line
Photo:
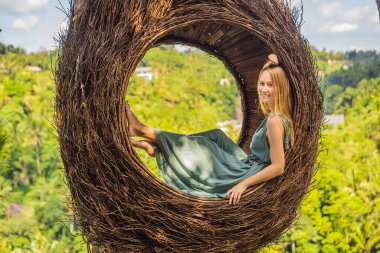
281 90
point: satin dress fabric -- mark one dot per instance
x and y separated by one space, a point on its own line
208 164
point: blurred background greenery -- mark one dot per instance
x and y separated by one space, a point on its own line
188 91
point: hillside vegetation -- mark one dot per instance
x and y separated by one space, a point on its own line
341 213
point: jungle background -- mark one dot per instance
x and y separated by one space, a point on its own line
189 91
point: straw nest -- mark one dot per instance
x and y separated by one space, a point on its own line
120 205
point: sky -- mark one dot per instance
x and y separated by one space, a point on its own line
338 25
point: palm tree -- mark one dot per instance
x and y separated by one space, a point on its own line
3 142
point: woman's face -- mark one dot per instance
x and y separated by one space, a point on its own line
265 88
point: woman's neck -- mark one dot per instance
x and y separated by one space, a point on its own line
271 108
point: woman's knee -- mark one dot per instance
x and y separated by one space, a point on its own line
218 132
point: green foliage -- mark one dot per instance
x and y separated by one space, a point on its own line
342 72
30 166
340 214
3 143
364 65
10 48
14 58
333 93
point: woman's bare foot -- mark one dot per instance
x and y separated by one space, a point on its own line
144 144
134 124
150 150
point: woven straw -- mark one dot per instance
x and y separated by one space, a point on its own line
121 206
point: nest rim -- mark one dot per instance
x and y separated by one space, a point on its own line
81 110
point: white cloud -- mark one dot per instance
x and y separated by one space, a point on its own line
374 18
63 26
336 28
362 13
22 5
25 24
62 29
337 18
377 27
357 13
332 10
296 2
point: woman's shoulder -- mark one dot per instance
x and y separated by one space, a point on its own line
279 125
275 122
280 118
275 117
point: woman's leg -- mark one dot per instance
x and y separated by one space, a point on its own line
223 141
136 128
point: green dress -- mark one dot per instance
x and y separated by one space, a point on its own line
208 164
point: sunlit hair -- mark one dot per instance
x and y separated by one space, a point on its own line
282 96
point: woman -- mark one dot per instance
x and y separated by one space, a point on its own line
209 164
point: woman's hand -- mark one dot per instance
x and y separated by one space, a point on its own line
235 193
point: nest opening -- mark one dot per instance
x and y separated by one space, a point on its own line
242 53
150 75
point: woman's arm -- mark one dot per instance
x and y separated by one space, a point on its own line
277 155
275 131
